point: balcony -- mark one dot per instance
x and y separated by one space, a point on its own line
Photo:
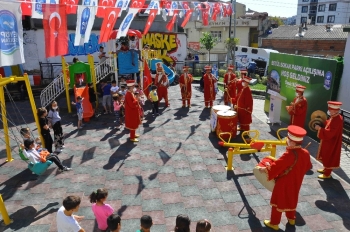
312 12
314 1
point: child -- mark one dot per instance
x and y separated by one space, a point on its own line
114 88
80 110
117 106
106 96
203 226
122 91
183 223
92 97
113 222
101 210
122 82
65 219
44 128
141 94
25 132
146 224
122 109
55 121
153 97
34 156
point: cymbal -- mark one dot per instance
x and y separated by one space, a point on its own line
319 114
314 122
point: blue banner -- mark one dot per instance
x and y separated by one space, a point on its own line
125 65
88 48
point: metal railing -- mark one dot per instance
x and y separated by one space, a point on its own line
57 87
346 127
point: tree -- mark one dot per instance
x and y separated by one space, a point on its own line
208 41
230 45
278 20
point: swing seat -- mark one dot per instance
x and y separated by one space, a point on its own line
37 168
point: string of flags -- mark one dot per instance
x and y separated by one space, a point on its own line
54 15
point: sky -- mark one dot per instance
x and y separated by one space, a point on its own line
282 8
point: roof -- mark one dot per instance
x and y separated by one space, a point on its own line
313 32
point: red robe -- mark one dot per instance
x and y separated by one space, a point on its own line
331 142
286 191
298 111
230 82
132 111
161 89
245 107
186 86
209 87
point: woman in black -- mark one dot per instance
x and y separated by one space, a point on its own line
44 128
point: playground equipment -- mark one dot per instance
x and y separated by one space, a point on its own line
3 83
256 145
170 73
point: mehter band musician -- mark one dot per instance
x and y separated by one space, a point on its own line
209 87
230 86
298 108
288 172
162 83
331 141
244 105
132 111
186 87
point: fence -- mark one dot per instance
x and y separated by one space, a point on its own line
197 67
346 127
49 71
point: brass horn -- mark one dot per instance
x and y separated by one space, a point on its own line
318 117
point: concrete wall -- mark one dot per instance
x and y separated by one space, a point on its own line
344 93
306 47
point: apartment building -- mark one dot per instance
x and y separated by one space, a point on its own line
323 12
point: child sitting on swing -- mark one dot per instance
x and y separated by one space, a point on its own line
25 132
35 157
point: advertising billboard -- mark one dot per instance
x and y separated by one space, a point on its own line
318 75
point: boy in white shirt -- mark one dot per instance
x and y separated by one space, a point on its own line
66 221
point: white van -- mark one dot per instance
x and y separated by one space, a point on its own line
260 56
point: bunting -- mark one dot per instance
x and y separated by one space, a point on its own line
188 13
135 7
152 10
101 11
85 21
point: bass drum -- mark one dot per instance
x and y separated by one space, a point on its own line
262 176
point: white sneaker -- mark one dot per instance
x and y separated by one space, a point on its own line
58 150
67 169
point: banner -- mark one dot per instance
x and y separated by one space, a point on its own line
26 7
152 10
127 67
85 21
101 11
55 30
11 34
317 75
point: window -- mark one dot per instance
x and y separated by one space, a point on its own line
320 19
322 8
217 35
244 49
349 20
331 19
333 7
305 0
304 9
255 51
303 20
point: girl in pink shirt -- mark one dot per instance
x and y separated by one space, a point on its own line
101 210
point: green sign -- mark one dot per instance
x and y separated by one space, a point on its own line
318 75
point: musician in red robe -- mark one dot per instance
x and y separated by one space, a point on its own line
329 150
186 87
244 105
288 171
230 86
132 111
162 83
240 80
209 87
298 107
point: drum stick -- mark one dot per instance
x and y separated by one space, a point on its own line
307 145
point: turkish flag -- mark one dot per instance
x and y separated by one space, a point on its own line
216 11
102 7
71 6
151 17
147 78
26 7
205 14
171 23
55 30
109 20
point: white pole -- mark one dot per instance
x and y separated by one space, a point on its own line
115 62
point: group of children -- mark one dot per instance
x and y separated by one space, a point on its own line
108 220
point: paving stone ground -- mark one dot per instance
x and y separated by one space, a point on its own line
176 168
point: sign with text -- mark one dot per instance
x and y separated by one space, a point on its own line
226 23
170 47
317 75
194 45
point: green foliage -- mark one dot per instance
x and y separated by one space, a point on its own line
262 80
222 72
278 20
208 41
230 44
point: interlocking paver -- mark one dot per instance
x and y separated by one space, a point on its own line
177 168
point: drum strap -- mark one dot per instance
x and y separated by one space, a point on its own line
290 168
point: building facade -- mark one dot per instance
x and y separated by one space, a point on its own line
344 93
322 12
315 40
